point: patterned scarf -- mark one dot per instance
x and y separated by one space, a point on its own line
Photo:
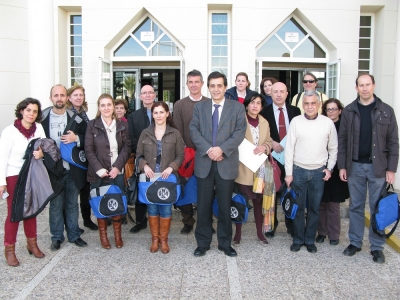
82 113
28 133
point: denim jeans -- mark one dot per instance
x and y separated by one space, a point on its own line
67 199
164 211
362 176
310 185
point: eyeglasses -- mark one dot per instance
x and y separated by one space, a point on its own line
331 109
147 93
308 81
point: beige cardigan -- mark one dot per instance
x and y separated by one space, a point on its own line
245 176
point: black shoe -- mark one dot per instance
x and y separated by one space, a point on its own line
295 247
334 242
55 245
351 250
201 251
378 256
89 224
80 243
186 229
320 238
81 230
213 230
138 227
270 234
228 251
311 248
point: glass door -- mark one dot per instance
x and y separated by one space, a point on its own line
126 86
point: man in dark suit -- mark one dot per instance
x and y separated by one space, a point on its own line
217 129
271 114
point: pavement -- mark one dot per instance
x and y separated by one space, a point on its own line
258 272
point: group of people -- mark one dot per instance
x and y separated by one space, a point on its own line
327 157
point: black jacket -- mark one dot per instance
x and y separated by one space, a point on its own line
231 94
137 122
79 128
39 181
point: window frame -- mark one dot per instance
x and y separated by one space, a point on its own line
69 45
372 40
210 36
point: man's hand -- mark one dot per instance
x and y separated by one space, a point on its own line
328 174
289 180
68 138
390 177
277 147
215 154
343 175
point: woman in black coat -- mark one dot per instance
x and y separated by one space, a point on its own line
335 190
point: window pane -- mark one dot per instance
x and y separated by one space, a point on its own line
76 40
76 51
76 29
165 47
219 40
76 72
309 49
219 50
220 29
130 48
76 81
76 19
363 64
76 61
219 18
365 21
365 54
365 43
291 26
220 62
273 47
365 32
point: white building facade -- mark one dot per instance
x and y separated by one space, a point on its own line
100 43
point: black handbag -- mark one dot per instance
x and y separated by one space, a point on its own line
131 190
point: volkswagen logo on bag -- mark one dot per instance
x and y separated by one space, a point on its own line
287 204
112 204
234 212
163 193
82 156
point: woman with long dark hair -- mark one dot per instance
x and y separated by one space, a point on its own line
161 146
13 143
107 148
266 88
335 190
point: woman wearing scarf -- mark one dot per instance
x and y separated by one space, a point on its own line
257 133
77 103
13 143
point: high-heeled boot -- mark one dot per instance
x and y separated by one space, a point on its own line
9 253
33 248
165 224
154 222
102 223
117 223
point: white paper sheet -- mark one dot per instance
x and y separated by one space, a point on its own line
248 158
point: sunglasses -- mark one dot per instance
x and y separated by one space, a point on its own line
308 81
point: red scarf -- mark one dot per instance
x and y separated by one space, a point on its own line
28 133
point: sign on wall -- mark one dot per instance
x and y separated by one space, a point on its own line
147 36
291 37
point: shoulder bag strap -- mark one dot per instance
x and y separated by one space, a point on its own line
69 125
298 98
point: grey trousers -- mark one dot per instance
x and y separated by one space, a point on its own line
360 178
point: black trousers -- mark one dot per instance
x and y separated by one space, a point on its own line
205 197
140 213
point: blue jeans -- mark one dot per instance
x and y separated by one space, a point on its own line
362 176
67 199
310 185
155 210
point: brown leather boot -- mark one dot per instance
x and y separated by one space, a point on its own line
165 224
102 223
9 253
117 223
33 248
154 222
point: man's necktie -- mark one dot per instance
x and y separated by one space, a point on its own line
215 119
282 125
